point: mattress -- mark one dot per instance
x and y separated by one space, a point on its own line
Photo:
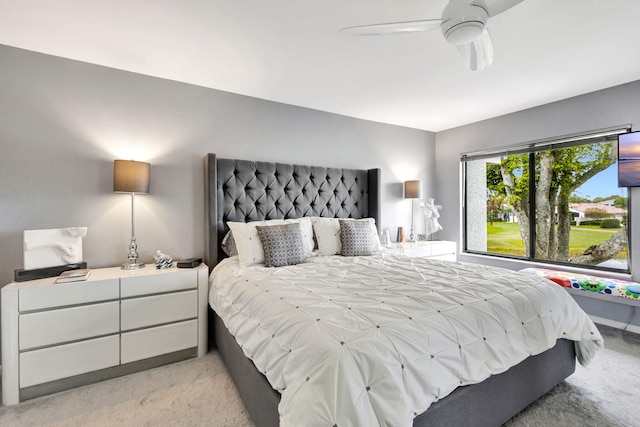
376 340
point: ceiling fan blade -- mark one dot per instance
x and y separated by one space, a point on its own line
478 54
496 7
394 28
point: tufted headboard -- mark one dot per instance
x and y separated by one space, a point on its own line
242 190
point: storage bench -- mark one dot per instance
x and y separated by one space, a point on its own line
607 301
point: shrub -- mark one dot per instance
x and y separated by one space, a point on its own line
592 222
610 223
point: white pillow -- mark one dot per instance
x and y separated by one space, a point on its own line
306 228
248 242
327 232
328 235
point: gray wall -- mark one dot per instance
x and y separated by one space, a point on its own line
63 122
615 106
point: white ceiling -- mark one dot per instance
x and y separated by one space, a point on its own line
291 51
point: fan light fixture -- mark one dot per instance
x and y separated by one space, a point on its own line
132 177
463 24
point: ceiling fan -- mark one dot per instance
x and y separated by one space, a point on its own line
463 24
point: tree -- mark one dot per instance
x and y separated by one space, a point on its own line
577 199
620 202
596 213
558 173
603 252
495 194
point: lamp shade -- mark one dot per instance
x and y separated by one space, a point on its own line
412 189
130 176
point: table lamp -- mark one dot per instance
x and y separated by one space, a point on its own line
132 177
412 190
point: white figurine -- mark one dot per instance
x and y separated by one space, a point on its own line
431 216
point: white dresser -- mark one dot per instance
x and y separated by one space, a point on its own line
434 249
60 336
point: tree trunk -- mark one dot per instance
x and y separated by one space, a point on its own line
604 251
564 227
553 235
544 215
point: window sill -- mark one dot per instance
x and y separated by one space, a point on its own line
516 264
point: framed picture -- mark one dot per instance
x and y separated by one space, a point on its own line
629 159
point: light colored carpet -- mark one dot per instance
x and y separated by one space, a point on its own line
194 392
605 394
198 392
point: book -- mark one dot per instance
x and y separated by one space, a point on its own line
73 275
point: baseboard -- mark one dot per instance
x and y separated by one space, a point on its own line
615 324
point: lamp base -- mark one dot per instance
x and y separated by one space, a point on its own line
133 266
133 263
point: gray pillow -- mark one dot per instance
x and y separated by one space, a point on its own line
355 237
282 244
229 244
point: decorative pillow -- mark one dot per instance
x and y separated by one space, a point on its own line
375 237
313 220
229 244
355 237
327 232
249 245
282 244
306 228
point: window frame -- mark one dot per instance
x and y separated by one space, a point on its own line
530 148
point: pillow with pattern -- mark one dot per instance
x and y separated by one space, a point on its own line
249 246
229 244
355 237
282 244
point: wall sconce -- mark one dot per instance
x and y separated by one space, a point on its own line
412 190
131 177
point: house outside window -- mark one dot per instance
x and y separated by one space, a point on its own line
552 201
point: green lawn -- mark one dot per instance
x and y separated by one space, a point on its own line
504 238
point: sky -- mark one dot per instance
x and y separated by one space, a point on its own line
603 184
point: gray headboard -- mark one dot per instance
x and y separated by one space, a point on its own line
243 190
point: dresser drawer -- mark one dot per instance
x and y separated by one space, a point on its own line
442 248
171 280
68 324
68 294
54 363
416 251
165 339
154 310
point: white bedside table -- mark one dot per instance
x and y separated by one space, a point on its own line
434 249
61 336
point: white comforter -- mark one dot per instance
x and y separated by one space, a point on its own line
369 341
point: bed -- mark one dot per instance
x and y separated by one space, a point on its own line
245 191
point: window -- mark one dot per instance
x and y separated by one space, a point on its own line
553 201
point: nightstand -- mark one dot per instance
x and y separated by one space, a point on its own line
434 249
61 336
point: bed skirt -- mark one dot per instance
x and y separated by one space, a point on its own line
489 403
